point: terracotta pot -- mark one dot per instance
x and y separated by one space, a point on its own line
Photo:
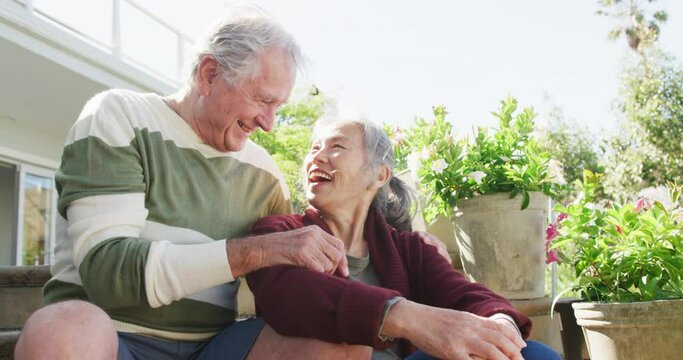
632 331
502 246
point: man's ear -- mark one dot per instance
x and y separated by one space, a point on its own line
208 71
383 176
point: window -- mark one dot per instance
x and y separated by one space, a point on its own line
37 219
27 214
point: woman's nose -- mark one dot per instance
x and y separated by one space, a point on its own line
319 155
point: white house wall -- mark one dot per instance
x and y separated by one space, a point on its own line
46 76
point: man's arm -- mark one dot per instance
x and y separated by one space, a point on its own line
309 247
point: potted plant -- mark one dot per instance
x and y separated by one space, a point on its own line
628 261
413 144
497 185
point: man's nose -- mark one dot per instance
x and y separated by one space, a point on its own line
266 121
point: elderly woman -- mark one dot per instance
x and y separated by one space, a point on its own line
398 288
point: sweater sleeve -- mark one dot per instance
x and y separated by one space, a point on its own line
103 186
299 302
436 283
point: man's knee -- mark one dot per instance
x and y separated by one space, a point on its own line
69 327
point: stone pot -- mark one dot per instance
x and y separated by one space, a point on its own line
442 227
632 331
502 246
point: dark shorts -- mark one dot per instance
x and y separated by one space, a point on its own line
234 342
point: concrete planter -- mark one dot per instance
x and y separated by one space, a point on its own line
442 227
632 331
502 246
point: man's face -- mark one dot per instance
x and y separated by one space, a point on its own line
226 115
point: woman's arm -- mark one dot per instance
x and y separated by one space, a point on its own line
302 303
299 302
452 334
434 282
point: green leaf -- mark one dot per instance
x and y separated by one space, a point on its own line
525 201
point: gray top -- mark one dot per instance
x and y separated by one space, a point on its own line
360 269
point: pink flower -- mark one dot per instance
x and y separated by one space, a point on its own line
399 137
642 203
619 230
561 217
552 257
551 232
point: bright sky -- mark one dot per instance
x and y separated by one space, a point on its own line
394 60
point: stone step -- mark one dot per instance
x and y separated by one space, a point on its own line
8 338
20 295
24 276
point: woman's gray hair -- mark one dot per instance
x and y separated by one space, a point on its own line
394 199
236 41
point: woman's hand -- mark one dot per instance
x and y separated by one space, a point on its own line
432 240
451 334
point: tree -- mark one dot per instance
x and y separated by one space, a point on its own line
652 101
636 21
574 147
649 152
289 141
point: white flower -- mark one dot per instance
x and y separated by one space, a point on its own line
439 165
463 152
555 172
477 176
414 164
425 153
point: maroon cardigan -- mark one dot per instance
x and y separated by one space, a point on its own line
299 302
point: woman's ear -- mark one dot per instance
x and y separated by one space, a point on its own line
208 71
383 176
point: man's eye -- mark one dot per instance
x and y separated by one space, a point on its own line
338 146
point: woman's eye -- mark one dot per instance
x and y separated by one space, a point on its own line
338 146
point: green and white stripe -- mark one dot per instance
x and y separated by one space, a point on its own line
149 207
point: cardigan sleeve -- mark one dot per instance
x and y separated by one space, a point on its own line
299 302
436 283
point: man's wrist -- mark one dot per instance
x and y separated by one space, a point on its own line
245 255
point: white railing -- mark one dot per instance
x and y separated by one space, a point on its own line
123 28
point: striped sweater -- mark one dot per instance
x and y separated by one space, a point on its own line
145 208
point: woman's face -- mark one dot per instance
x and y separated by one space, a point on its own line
336 169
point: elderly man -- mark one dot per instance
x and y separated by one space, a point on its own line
154 195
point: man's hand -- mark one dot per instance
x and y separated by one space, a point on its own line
309 247
432 240
451 334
